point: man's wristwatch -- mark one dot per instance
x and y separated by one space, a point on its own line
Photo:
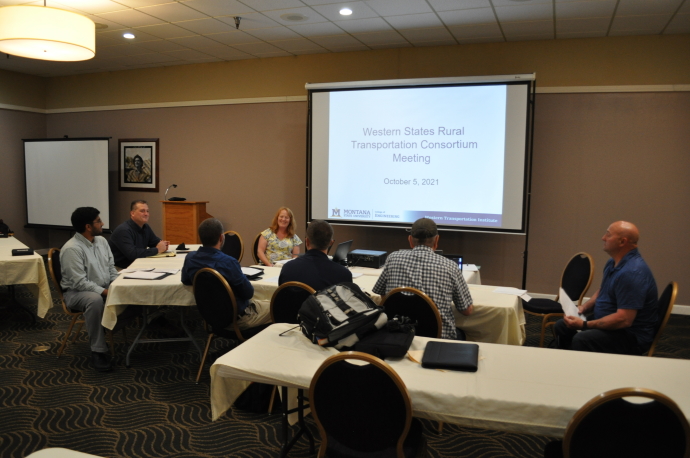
584 325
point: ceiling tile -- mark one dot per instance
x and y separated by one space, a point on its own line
173 12
253 48
447 42
527 28
219 7
265 5
399 7
364 25
417 36
649 23
449 5
600 24
187 54
141 3
273 54
90 6
120 50
526 12
162 46
228 53
414 21
467 17
111 25
585 9
632 32
566 35
274 33
301 44
322 2
481 40
640 7
250 21
166 31
476 31
381 38
391 45
520 2
302 53
205 26
131 18
233 38
685 7
336 41
145 59
679 24
531 37
360 10
315 30
311 16
350 48
199 43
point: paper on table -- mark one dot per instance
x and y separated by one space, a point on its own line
356 274
144 275
143 269
282 262
249 271
569 307
165 254
526 297
470 268
511 291
167 271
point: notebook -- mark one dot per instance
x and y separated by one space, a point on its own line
451 355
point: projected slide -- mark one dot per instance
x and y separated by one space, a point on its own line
456 153
435 153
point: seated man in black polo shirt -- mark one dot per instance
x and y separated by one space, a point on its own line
134 238
314 268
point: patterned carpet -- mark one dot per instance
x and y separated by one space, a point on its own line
154 408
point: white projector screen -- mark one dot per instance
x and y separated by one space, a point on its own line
63 174
385 153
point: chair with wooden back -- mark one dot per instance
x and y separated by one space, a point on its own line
255 248
55 270
363 410
233 245
664 308
610 426
217 305
417 306
575 281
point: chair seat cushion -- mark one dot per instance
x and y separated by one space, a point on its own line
542 306
414 442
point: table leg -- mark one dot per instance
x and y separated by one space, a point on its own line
287 444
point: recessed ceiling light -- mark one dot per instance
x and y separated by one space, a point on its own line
294 17
100 26
128 35
346 11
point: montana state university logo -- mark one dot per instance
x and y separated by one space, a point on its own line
335 212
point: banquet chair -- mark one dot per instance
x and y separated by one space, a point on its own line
233 245
217 305
285 304
575 281
417 306
355 420
54 268
610 426
287 300
664 307
255 247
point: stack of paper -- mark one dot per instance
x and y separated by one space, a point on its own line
145 275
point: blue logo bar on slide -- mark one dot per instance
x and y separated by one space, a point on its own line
456 219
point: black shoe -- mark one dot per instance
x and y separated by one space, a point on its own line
101 361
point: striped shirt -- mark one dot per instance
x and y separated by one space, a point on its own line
437 277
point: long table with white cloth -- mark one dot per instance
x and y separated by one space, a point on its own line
520 389
26 270
497 318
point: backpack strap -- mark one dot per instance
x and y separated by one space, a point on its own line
342 305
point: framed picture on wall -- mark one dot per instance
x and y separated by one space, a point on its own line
138 170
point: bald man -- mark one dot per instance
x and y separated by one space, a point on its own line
624 307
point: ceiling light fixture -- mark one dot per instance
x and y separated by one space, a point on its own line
346 11
40 32
128 35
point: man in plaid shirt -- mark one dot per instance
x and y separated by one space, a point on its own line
437 277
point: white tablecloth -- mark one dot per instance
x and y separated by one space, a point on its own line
520 389
497 318
25 270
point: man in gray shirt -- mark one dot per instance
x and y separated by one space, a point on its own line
88 268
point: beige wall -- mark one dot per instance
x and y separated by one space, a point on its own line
21 90
576 62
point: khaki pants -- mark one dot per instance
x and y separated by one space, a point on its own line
256 314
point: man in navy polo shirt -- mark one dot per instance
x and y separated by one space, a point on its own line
624 307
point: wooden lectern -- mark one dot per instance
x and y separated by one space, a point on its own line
181 220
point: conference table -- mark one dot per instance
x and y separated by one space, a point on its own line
25 270
519 389
497 318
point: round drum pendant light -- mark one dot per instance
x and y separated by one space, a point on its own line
40 32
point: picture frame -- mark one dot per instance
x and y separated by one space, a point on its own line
139 160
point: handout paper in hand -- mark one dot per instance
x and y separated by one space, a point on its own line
569 307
